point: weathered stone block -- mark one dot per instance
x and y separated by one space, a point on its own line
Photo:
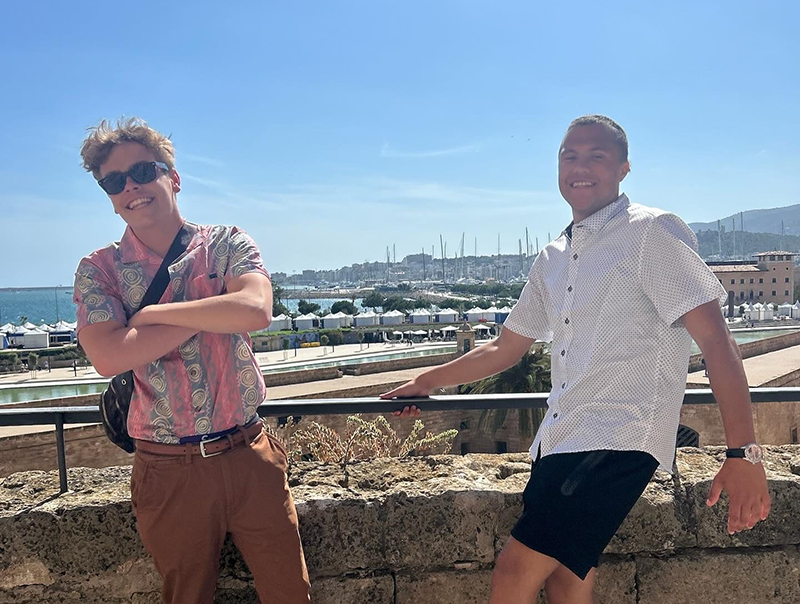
341 536
508 514
615 585
353 590
765 577
452 587
440 531
697 470
616 582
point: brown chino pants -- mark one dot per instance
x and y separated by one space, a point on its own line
185 506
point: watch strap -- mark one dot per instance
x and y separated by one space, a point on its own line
737 453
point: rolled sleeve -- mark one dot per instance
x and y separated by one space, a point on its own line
244 256
96 297
529 317
674 277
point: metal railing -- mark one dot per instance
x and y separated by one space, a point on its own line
63 416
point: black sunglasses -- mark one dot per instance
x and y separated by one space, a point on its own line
142 173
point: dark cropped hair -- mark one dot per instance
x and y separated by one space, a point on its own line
620 138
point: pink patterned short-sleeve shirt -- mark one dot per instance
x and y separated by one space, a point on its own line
212 381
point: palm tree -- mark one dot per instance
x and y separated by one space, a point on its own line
530 374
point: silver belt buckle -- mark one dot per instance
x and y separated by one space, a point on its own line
203 444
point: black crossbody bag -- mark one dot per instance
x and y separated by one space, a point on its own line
115 402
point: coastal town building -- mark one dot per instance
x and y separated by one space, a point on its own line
768 278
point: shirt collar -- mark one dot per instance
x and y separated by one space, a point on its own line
598 220
133 250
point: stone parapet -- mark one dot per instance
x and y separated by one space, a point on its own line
754 349
413 530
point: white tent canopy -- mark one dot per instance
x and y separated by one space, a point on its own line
393 317
334 321
35 338
347 320
280 323
476 314
446 315
64 326
367 318
305 321
421 316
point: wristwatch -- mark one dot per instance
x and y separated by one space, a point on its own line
752 453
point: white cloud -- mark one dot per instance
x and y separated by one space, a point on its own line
387 151
201 159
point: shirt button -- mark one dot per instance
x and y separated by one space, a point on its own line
566 321
563 352
555 415
569 289
574 256
563 385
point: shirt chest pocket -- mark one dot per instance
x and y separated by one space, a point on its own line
196 277
204 286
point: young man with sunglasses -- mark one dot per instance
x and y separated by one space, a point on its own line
203 467
618 379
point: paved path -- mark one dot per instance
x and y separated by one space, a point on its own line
265 359
763 368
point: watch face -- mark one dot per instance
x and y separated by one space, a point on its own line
753 453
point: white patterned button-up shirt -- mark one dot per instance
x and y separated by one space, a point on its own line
611 298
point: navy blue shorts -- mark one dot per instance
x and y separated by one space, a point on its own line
575 502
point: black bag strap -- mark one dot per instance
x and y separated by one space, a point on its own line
161 280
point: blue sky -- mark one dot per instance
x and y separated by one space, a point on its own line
329 130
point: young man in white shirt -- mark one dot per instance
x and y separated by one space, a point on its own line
618 382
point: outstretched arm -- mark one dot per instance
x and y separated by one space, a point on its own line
483 361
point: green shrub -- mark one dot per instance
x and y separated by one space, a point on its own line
9 361
335 337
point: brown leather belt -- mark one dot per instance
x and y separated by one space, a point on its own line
205 448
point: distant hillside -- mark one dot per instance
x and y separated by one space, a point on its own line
747 243
758 221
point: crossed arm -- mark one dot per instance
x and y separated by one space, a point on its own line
156 330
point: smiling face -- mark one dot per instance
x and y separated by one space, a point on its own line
143 206
590 168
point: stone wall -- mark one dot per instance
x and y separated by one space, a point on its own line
754 349
399 364
773 422
302 376
409 531
85 446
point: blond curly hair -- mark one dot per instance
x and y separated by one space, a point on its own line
102 139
